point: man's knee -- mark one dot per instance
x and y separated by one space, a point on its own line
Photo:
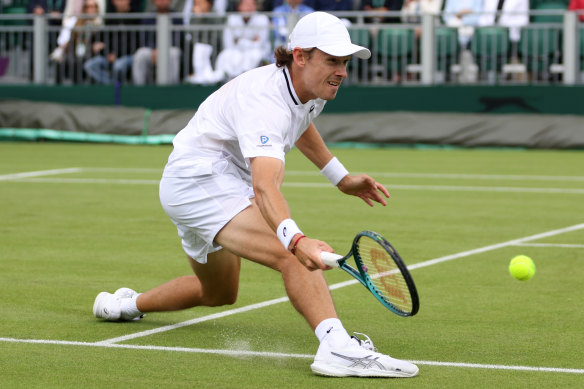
227 297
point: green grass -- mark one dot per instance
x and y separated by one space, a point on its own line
63 242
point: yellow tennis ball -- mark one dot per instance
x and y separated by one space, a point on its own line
522 268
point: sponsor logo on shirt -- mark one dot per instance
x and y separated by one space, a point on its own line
312 108
264 140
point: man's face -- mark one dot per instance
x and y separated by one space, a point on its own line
201 6
121 6
294 3
247 6
162 5
322 75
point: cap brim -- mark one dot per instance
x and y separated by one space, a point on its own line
342 50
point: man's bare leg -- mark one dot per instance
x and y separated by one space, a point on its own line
249 236
217 282
214 283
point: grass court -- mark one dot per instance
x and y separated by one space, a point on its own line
77 219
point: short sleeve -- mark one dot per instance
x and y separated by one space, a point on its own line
262 129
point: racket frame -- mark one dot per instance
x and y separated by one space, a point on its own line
361 274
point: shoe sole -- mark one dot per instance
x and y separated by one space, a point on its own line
332 370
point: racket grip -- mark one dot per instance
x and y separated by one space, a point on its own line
330 259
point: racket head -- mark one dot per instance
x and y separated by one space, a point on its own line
385 274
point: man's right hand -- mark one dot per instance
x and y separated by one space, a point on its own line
308 253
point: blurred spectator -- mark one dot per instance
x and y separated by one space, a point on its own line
73 8
50 7
117 58
135 6
412 10
577 5
269 5
174 4
204 15
84 42
507 13
217 6
317 5
204 42
144 59
382 6
246 41
332 5
282 18
463 14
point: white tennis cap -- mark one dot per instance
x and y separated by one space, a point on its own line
326 32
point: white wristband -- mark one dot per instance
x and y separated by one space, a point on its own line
334 171
286 230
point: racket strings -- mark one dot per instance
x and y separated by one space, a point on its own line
384 274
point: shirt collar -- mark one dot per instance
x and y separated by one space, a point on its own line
290 87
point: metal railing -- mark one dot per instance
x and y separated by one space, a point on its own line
424 53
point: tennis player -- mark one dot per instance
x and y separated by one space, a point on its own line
221 188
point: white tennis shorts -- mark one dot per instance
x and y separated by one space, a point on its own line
201 206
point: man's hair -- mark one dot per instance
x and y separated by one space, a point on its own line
284 57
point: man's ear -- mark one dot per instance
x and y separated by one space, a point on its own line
299 56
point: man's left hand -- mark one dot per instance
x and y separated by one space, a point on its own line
364 187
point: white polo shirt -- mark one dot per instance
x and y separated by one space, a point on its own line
256 114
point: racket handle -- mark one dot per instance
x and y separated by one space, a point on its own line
330 259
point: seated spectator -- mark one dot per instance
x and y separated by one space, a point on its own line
507 13
205 42
73 8
413 10
317 5
84 43
219 7
50 7
332 5
246 41
144 60
382 6
577 5
174 4
463 14
280 21
269 5
116 58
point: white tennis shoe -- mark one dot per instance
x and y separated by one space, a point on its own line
359 358
108 306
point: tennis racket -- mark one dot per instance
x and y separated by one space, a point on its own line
381 270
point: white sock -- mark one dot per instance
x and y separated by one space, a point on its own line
129 308
333 332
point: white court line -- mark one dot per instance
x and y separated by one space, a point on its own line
122 181
340 285
52 172
263 354
497 246
455 188
561 245
195 321
503 177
